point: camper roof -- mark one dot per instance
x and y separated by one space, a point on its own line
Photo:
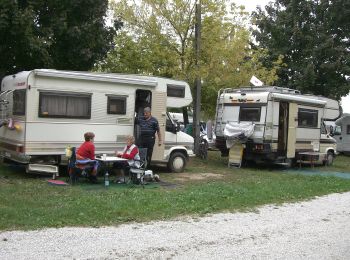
332 111
110 77
298 98
264 96
343 118
273 89
179 97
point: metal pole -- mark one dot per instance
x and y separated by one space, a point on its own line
198 86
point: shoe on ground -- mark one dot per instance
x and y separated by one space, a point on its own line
119 181
156 177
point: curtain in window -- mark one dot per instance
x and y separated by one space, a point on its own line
53 105
65 106
78 106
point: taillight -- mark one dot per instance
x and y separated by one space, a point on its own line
20 149
259 147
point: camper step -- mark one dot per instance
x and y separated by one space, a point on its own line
234 165
283 164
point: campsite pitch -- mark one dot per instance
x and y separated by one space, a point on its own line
28 202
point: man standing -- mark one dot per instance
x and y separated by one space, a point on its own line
148 127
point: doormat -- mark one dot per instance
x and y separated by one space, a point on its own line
168 185
342 175
57 182
117 186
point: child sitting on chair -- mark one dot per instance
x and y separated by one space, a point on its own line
86 155
131 153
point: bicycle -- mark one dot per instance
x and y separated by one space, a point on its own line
203 147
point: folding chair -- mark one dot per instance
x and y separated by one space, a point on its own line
76 170
137 174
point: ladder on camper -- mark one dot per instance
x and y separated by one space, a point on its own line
220 104
4 102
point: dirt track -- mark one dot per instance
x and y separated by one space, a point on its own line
317 229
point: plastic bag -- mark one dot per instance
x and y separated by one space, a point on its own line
68 151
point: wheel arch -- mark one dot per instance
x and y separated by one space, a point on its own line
331 150
180 149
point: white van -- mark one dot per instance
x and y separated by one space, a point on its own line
341 133
43 111
285 124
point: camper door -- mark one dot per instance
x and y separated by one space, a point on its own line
287 129
292 126
159 112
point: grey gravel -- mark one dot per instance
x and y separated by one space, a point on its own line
316 229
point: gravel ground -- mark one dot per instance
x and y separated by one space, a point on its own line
316 229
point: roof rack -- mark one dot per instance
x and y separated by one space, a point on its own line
273 89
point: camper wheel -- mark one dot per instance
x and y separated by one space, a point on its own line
177 162
329 159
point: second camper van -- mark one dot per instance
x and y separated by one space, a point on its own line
285 124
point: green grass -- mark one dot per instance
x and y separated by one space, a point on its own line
28 202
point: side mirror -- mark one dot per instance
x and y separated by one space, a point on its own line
175 129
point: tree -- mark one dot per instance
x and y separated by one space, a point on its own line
312 37
158 38
53 34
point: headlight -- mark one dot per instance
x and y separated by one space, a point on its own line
190 147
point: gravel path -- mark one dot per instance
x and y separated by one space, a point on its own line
317 229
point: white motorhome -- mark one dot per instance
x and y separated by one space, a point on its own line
285 123
341 134
43 111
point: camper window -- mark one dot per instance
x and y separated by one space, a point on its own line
348 129
307 118
19 102
337 130
249 114
175 91
116 105
64 105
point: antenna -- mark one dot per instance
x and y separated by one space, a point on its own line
256 82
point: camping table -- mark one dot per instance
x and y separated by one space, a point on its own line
108 162
312 157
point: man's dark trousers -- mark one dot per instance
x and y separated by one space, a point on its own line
148 142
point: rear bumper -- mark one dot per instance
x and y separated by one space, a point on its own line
14 156
31 165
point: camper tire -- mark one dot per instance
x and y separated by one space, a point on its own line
329 158
177 162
